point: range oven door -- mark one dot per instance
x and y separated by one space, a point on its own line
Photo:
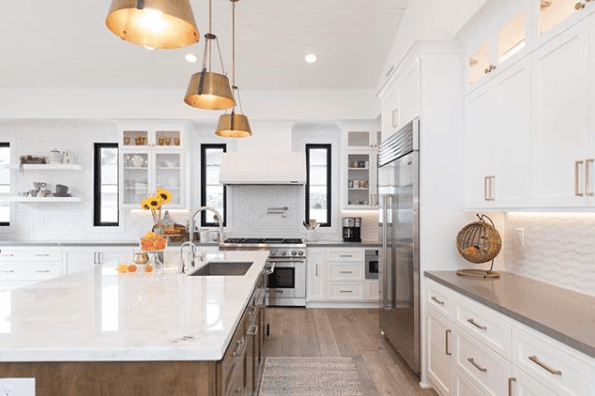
286 284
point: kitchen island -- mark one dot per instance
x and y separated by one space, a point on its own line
100 332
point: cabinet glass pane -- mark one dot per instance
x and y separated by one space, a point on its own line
136 178
478 63
136 138
168 176
553 12
359 139
167 138
358 182
511 38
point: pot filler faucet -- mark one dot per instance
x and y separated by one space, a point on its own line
218 218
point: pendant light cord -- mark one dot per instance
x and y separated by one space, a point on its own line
233 45
208 52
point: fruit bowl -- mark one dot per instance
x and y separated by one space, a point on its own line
153 243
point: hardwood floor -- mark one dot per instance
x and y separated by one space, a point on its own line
343 332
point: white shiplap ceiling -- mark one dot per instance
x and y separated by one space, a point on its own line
65 44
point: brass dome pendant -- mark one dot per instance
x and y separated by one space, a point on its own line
161 24
233 126
210 91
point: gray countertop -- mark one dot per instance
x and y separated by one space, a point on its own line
562 314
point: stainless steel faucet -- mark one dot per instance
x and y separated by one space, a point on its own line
218 217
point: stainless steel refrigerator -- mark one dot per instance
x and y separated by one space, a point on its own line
398 217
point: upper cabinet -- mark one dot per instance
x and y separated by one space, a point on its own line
152 158
555 16
500 40
364 139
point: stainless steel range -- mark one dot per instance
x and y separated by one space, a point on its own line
286 281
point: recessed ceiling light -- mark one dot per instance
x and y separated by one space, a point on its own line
190 57
311 58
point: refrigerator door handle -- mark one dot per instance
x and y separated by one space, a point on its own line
385 277
390 257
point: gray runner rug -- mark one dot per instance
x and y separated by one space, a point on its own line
298 376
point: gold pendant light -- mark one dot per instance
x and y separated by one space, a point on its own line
209 90
153 23
234 125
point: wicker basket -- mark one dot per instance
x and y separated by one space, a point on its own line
479 243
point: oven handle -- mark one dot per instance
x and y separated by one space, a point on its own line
287 260
270 270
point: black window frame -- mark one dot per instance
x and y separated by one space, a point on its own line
97 147
329 205
203 183
6 223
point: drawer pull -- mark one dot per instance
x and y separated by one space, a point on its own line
8 255
346 272
8 271
474 323
545 366
345 255
477 366
42 254
254 331
447 346
510 381
345 291
437 301
237 351
42 271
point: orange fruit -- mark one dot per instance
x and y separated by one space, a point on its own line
132 268
149 268
122 268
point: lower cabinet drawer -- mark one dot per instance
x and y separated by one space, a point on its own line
231 362
522 384
554 365
344 255
347 291
29 272
488 369
464 387
29 255
345 272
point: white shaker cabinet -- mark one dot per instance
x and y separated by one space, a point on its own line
81 258
497 145
316 263
440 352
561 119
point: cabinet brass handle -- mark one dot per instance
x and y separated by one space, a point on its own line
477 366
237 351
545 366
447 346
345 255
474 323
579 6
345 291
8 271
510 381
577 165
43 271
346 272
437 301
42 254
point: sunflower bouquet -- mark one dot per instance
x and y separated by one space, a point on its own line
154 204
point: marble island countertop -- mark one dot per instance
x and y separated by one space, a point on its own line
100 315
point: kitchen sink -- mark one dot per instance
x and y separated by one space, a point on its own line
223 268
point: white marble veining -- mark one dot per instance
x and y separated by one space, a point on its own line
100 315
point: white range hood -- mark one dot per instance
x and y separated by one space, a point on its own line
263 168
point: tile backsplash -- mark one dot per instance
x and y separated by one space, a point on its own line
559 248
249 206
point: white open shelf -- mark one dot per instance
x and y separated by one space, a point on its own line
64 167
45 199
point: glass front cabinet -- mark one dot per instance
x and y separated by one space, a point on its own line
152 158
360 170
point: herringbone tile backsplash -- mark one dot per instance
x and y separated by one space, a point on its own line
559 248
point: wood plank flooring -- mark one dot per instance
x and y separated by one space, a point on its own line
355 333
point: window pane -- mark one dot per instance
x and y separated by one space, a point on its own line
213 192
4 160
318 184
4 213
106 195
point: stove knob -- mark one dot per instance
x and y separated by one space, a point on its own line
293 253
283 252
273 252
301 253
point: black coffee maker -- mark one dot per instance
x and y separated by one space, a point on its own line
352 227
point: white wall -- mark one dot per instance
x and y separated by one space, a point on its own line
168 104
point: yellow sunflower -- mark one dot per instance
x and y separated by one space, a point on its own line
154 203
146 204
164 195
